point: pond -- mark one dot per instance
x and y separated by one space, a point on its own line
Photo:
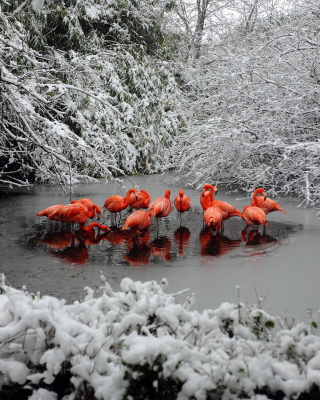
282 266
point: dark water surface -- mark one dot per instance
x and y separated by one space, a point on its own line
283 265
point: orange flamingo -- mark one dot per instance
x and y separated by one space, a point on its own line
207 195
213 218
253 215
139 220
140 200
115 204
182 203
93 209
160 207
77 213
259 199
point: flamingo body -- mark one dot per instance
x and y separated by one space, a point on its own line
76 213
213 218
138 220
116 203
259 199
253 215
140 200
93 209
227 209
182 202
160 206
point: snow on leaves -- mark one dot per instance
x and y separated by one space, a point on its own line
113 343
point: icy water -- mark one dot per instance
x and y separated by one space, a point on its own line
282 266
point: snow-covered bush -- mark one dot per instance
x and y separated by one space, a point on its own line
140 343
84 92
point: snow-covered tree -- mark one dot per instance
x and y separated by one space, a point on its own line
84 90
255 108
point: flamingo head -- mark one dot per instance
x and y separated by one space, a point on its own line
134 191
167 194
210 188
260 192
181 192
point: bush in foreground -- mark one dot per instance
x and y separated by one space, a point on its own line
140 343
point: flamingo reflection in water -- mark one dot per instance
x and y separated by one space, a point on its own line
216 245
161 246
71 247
138 253
257 243
182 238
138 248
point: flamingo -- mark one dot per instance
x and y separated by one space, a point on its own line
253 215
77 213
259 199
92 208
138 220
182 203
115 204
213 218
160 207
140 200
207 195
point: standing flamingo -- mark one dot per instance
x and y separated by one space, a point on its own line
77 213
207 195
253 215
182 203
115 204
140 199
213 218
160 207
259 199
138 220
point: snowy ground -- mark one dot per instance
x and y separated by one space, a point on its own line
114 345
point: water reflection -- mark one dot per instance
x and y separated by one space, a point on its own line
182 238
216 244
257 243
70 247
151 247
